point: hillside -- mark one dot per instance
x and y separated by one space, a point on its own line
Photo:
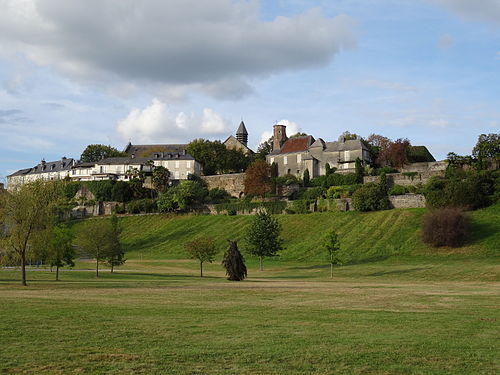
365 236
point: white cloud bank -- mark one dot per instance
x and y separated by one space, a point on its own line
156 124
215 47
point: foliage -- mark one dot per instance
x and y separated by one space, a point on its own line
386 170
300 206
183 196
94 239
419 154
263 236
102 190
203 249
215 158
348 136
376 143
58 248
370 197
70 188
26 212
257 178
312 193
329 170
96 152
264 149
388 153
398 190
359 171
306 178
344 191
274 207
334 179
160 178
286 180
487 146
115 255
218 195
234 263
299 134
445 227
121 192
411 175
332 246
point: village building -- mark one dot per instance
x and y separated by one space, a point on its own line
296 154
240 142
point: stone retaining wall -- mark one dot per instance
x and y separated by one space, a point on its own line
407 201
401 179
234 183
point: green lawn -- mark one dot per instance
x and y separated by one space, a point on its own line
396 307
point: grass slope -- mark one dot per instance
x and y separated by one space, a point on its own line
364 236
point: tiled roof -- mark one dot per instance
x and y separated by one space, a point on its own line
353 144
146 150
296 144
20 172
50 166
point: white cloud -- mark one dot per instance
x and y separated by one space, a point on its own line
214 46
474 10
439 123
157 124
446 41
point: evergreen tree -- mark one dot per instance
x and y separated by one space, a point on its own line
263 236
306 178
234 263
359 171
328 169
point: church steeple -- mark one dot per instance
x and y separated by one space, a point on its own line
242 134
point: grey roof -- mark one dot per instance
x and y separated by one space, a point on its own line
136 160
47 166
242 129
170 156
353 144
318 143
84 165
145 150
122 160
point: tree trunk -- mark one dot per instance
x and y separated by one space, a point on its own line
23 268
331 270
261 259
57 273
201 269
97 267
112 266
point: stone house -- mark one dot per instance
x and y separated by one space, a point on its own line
295 155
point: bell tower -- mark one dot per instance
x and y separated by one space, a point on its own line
279 136
242 134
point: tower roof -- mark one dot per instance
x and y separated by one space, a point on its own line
242 129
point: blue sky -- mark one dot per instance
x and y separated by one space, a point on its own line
156 71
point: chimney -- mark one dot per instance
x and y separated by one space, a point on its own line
279 136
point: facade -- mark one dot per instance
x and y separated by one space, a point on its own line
52 170
295 155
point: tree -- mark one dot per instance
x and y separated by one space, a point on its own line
121 192
487 146
182 196
257 178
94 238
115 256
332 246
96 152
215 158
328 170
161 178
234 263
264 149
395 154
299 134
263 236
359 171
26 212
348 136
306 178
203 249
60 248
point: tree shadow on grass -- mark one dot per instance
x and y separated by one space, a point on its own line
397 272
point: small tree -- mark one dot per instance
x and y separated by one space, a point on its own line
94 238
234 263
202 249
115 255
93 153
328 169
161 178
359 171
332 246
306 178
257 178
263 236
60 250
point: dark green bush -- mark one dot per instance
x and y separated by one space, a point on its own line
102 190
217 195
142 206
398 190
70 189
121 192
386 170
311 193
370 197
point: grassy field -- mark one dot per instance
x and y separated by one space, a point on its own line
397 307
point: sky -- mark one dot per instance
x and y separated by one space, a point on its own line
81 72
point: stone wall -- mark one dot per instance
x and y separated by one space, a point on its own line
432 166
234 183
401 179
407 201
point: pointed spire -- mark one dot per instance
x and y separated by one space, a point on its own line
242 129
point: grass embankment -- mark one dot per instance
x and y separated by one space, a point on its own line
419 311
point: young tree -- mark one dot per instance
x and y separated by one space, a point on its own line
93 153
359 171
332 246
60 248
94 238
306 178
26 212
257 178
263 236
234 263
115 254
161 178
202 249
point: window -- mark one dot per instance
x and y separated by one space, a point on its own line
285 160
101 169
188 164
176 174
289 171
299 158
346 156
73 171
177 164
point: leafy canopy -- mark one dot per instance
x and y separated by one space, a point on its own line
96 152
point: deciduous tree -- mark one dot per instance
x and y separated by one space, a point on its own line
115 255
202 249
94 239
263 236
161 178
60 248
257 178
96 152
332 246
